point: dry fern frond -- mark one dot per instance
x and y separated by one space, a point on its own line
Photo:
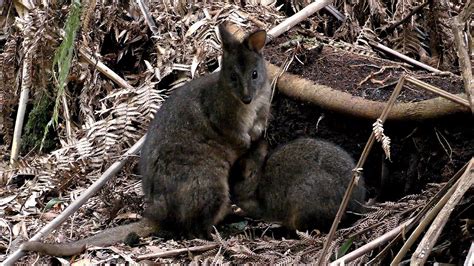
442 48
381 137
366 34
89 8
349 30
201 242
99 143
8 96
243 253
219 240
285 260
378 11
307 238
402 9
407 42
210 253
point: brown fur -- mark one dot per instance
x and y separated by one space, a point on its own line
301 184
195 137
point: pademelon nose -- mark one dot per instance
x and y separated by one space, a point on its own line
246 99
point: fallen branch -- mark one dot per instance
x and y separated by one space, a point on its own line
371 245
356 174
297 18
406 58
74 206
174 252
342 102
457 24
423 250
20 116
104 69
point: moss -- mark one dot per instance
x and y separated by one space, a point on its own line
38 119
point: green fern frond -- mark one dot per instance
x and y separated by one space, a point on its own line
63 57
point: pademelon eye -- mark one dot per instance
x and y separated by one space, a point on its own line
254 74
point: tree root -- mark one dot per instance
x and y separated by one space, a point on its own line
342 102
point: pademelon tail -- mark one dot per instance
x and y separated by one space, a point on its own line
108 237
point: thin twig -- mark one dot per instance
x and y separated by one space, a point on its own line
333 10
297 18
457 24
360 164
422 225
285 67
373 74
438 91
371 245
98 184
470 256
423 250
392 27
104 69
148 18
406 58
440 136
174 252
24 95
67 117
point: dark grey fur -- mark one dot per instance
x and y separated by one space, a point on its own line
301 184
199 133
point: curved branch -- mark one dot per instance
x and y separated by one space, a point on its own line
343 102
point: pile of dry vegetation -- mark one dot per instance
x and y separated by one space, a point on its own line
85 80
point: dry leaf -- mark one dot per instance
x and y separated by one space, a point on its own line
7 199
128 216
82 262
17 228
48 216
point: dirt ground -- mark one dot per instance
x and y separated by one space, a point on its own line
348 71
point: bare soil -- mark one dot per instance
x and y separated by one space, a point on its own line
347 71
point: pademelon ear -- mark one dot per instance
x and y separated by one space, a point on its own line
256 40
228 40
